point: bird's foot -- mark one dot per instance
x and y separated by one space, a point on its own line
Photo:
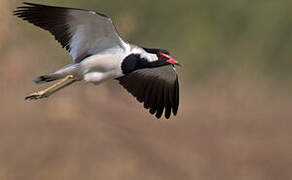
66 81
37 95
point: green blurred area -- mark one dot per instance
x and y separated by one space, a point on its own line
206 36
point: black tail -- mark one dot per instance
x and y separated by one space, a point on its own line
45 78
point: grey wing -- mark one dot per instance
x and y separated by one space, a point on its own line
81 32
157 87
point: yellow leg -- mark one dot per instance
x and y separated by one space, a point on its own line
52 89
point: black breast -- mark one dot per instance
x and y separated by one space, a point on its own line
132 63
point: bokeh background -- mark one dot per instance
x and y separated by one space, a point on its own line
235 117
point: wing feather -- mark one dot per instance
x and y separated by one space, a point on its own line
81 32
157 88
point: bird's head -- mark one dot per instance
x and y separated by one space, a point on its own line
163 56
139 60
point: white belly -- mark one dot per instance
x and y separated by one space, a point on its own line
98 68
98 77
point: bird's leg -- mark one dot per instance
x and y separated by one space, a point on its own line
52 89
60 87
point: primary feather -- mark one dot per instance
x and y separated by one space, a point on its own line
81 32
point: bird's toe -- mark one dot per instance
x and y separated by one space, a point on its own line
36 96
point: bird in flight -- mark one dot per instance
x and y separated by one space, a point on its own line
100 54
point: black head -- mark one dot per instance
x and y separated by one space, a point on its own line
134 61
163 55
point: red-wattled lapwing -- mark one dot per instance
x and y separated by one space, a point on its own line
100 54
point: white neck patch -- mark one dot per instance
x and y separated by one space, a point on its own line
143 54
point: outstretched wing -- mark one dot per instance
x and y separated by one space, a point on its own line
81 32
157 87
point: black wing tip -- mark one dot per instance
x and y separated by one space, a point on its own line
162 99
20 10
29 5
33 5
176 98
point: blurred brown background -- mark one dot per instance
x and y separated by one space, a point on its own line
235 117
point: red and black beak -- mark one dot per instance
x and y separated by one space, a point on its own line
169 59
